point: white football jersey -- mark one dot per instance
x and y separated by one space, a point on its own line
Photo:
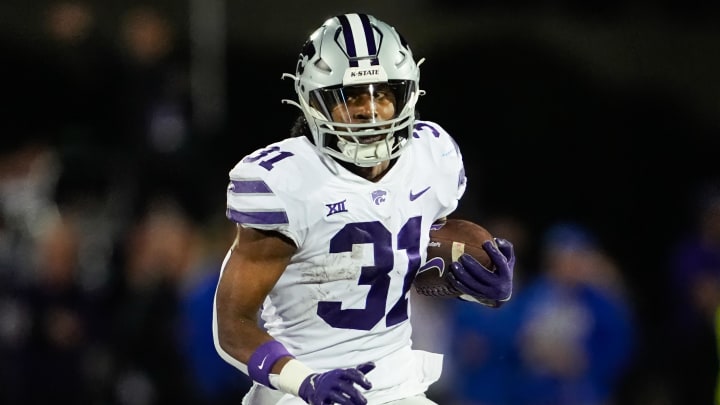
343 299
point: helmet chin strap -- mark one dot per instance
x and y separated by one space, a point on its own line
360 153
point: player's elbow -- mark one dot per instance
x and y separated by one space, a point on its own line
230 334
224 341
230 344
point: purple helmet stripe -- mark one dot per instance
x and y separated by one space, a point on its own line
249 187
349 41
354 39
278 217
369 38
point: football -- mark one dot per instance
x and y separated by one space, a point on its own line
446 244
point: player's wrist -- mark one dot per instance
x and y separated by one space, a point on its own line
291 377
263 359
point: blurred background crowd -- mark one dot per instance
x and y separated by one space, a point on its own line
590 132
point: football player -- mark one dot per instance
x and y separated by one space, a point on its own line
332 226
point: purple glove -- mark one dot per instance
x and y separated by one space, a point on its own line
337 386
487 287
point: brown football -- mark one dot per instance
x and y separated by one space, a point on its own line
446 244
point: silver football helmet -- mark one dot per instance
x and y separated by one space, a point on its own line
355 54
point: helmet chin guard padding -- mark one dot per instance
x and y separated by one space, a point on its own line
351 53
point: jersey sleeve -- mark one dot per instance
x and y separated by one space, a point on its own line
262 195
445 153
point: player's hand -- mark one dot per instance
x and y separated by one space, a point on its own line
337 386
486 286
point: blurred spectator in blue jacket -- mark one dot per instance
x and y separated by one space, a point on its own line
148 364
164 350
214 381
480 363
576 325
565 338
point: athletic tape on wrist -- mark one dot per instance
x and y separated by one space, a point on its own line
263 359
291 377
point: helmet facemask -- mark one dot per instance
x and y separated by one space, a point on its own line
363 124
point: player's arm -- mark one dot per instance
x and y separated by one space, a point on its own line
256 261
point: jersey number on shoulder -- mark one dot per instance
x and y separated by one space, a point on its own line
376 276
267 164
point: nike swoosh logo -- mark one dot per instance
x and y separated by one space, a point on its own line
262 363
414 197
434 263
